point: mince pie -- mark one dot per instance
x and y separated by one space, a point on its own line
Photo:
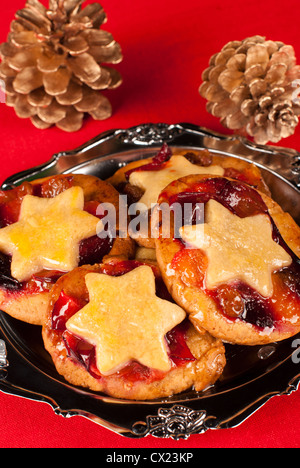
114 328
236 271
48 228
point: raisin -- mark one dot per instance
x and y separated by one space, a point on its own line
204 158
55 185
231 301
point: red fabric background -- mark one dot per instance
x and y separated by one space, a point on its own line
166 44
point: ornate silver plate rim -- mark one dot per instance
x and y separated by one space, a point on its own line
26 371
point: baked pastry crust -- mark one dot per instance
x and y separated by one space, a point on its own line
201 306
29 303
209 353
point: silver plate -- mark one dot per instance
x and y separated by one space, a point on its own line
252 374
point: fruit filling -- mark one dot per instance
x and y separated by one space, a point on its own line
84 353
237 300
157 163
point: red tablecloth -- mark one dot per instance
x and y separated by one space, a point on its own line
166 45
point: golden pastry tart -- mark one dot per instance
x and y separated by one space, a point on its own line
47 228
114 328
143 180
236 271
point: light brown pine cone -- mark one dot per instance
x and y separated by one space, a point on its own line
52 64
251 85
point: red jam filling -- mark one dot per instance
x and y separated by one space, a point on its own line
10 203
236 196
91 250
64 308
84 353
157 162
238 300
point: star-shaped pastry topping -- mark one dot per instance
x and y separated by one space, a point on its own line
48 234
237 248
153 182
126 321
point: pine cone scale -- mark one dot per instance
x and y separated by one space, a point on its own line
72 122
73 5
258 87
76 45
90 101
28 80
103 81
49 62
230 79
107 54
34 19
57 82
6 71
23 108
96 37
103 110
39 123
52 113
39 98
72 95
7 50
25 58
85 68
24 38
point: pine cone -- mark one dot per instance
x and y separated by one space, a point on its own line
250 86
52 64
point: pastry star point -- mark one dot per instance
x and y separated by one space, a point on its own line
237 248
126 321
